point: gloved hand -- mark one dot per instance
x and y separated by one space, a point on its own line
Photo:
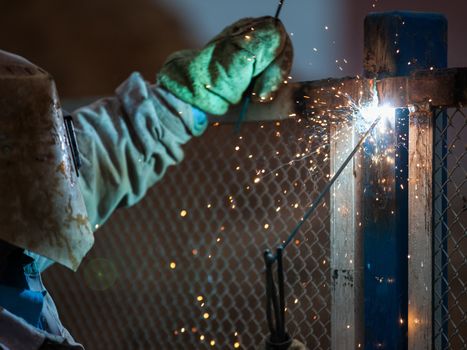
216 76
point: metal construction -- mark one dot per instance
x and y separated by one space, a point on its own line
381 264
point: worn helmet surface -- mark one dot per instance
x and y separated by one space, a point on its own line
41 206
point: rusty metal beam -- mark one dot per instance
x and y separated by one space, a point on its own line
439 88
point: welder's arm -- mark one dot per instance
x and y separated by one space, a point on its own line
127 142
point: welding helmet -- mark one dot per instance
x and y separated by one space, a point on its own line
41 206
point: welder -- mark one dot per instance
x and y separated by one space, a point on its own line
62 176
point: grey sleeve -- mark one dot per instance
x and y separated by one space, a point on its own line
128 141
16 333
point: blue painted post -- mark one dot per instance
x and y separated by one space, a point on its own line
396 44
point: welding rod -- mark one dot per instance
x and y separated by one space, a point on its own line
279 8
323 193
251 87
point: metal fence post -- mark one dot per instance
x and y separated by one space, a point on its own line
420 227
346 244
396 44
440 234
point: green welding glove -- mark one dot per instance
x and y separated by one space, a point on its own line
216 76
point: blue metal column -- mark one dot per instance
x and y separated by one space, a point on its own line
396 44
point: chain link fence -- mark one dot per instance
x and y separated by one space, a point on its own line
184 268
449 242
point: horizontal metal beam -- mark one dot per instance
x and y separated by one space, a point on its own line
439 88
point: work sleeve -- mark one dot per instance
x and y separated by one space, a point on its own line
128 141
17 334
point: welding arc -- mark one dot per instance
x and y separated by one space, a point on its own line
320 197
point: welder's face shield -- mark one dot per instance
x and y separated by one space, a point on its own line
41 206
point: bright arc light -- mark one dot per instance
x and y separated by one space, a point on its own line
371 113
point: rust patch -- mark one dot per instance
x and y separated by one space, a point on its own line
62 168
79 219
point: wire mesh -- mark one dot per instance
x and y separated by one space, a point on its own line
184 268
450 243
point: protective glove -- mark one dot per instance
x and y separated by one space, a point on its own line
216 76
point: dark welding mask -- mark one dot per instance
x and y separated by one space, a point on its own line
41 206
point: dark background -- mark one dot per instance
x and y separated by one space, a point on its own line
90 46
